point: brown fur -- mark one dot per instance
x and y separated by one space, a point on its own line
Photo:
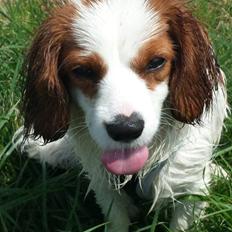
184 43
90 2
72 59
161 46
46 102
191 87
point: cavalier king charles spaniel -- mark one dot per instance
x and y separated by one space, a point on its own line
132 91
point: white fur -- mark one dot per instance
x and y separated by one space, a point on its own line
186 167
115 29
114 98
116 32
180 156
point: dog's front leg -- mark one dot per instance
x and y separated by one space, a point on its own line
185 213
58 153
114 205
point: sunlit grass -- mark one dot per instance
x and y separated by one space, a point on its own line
38 198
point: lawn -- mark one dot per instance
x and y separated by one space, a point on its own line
37 198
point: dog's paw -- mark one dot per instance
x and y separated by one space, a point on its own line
28 146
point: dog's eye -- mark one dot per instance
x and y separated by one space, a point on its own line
84 72
156 63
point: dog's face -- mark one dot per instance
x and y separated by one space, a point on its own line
118 61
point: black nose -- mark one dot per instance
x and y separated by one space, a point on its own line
125 129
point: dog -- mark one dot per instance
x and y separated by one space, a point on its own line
129 90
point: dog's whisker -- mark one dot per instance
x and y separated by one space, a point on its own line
78 120
78 127
80 133
133 93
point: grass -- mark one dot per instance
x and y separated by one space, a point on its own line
37 198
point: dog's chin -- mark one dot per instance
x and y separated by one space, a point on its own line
125 161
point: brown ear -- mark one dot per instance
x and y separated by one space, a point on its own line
46 102
195 71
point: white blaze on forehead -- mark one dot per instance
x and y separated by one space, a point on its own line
115 27
116 30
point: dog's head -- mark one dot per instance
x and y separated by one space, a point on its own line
118 60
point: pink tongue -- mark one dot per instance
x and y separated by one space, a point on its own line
125 162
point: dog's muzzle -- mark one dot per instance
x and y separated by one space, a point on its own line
125 161
125 129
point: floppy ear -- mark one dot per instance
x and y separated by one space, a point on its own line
195 71
46 101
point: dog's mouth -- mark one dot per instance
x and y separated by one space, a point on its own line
125 162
